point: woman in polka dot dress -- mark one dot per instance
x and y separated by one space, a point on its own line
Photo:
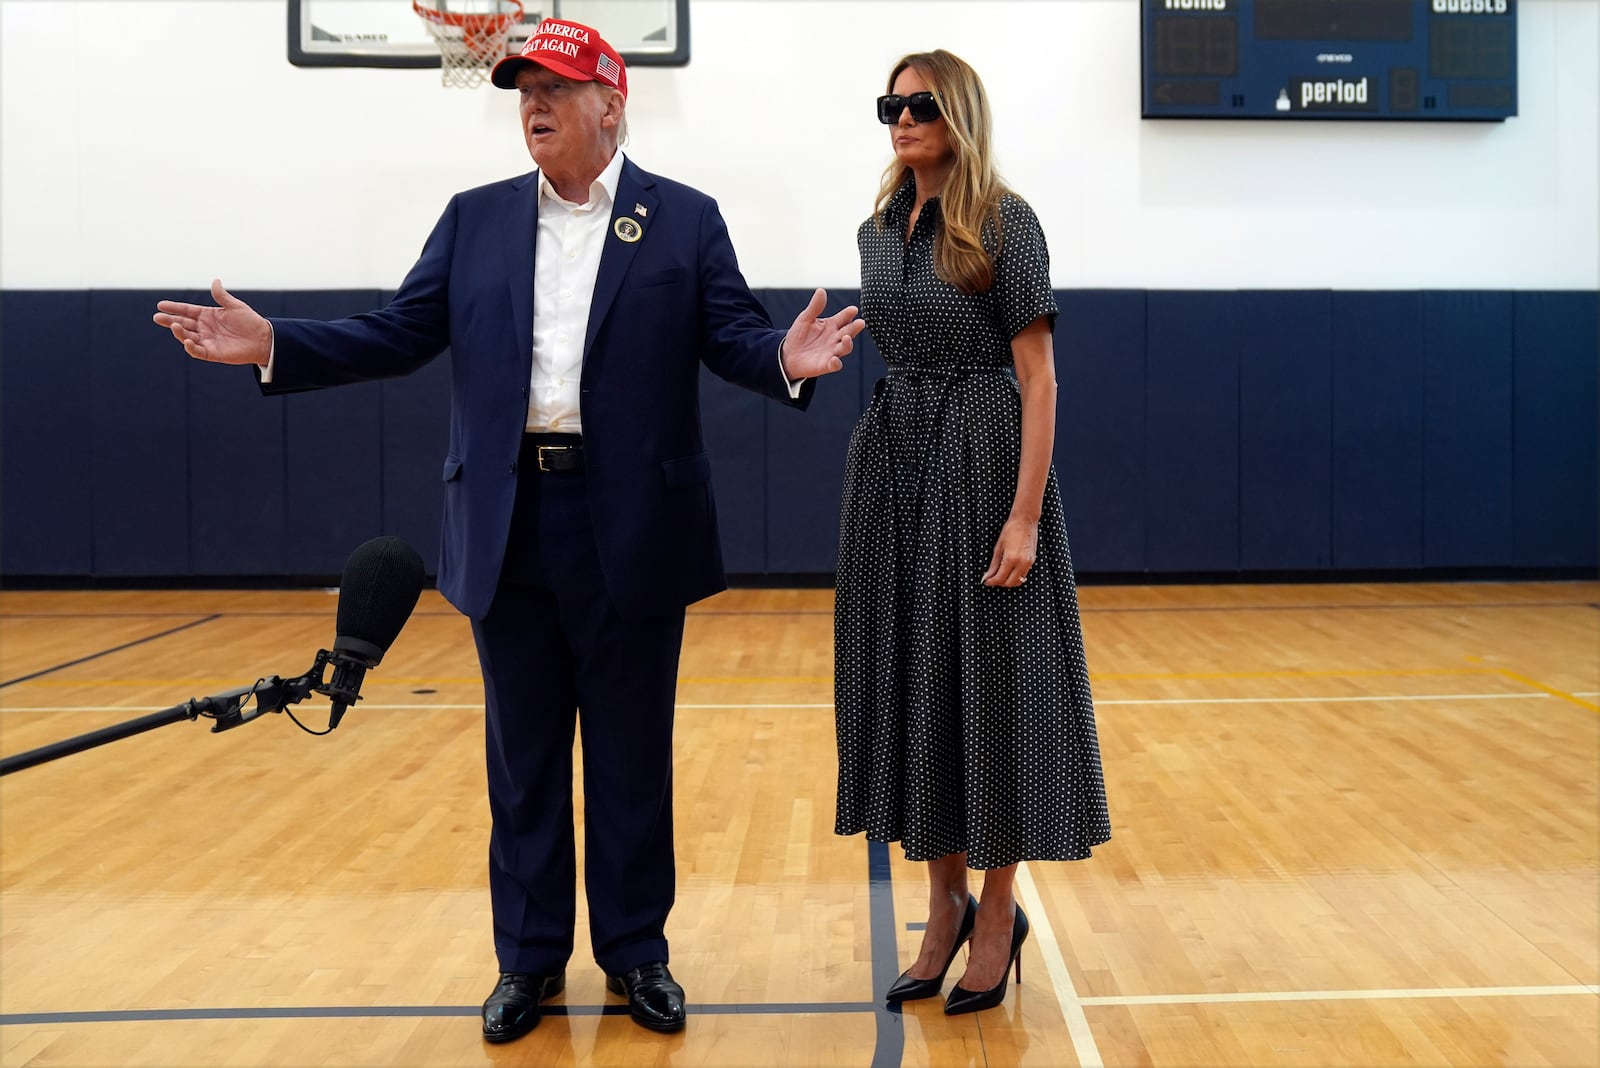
965 724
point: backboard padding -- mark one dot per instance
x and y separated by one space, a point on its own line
388 33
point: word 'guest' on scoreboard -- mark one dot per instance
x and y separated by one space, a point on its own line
1330 59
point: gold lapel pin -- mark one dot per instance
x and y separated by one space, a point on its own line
627 229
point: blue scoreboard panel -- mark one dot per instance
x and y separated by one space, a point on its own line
1330 59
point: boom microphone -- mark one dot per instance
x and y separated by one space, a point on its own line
380 586
381 583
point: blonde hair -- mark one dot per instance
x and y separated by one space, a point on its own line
971 195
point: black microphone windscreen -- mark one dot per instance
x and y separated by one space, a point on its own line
380 586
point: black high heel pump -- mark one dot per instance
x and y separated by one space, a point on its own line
906 988
962 1000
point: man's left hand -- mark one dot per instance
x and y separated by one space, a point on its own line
815 346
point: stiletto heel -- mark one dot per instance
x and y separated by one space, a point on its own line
962 1000
907 988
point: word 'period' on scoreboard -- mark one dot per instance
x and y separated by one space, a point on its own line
1330 59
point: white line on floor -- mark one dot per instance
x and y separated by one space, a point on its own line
755 705
1344 995
1083 1043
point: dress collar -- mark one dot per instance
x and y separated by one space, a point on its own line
899 206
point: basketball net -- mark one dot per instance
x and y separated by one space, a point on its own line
471 35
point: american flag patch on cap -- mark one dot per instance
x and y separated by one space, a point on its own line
607 68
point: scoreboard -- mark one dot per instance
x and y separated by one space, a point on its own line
1330 59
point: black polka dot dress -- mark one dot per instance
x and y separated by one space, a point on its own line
964 718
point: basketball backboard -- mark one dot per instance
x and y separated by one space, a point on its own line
388 33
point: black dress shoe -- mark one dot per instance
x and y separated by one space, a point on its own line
654 999
910 988
513 1009
962 1000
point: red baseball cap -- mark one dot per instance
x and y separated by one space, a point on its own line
569 48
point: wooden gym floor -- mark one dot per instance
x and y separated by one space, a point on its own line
1353 825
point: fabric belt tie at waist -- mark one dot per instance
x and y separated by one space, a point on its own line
552 452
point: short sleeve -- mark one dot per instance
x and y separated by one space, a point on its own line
1021 289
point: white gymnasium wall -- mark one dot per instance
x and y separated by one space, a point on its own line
174 141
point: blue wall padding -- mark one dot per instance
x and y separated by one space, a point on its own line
416 436
806 455
47 449
734 423
1377 430
333 453
1243 432
1100 425
1555 481
138 414
1192 431
237 496
1466 441
1285 430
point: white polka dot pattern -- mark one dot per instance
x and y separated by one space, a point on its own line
963 711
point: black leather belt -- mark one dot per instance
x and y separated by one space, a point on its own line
552 452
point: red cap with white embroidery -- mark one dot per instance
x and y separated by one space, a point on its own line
568 48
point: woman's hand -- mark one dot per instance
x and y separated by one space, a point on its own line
1014 553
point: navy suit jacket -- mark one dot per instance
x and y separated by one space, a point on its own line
662 305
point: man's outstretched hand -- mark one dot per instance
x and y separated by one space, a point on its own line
231 332
815 346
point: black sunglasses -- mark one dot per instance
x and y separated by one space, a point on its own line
924 108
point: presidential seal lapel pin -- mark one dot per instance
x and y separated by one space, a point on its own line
627 229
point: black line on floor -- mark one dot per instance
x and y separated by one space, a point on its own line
113 649
302 1012
888 1049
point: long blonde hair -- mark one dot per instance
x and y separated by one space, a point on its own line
972 191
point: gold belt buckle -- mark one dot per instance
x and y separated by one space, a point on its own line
548 448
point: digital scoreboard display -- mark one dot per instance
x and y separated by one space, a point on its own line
1330 59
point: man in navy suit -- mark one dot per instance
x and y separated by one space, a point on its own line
577 303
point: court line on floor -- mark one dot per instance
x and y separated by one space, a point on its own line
1083 1043
283 1012
889 1044
799 1008
1325 700
889 1030
819 680
1087 609
375 706
1571 698
768 680
1093 609
113 649
1567 990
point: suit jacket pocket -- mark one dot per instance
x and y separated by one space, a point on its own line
687 470
670 276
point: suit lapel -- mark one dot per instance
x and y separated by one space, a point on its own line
522 229
633 191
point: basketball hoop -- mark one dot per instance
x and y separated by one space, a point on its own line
471 35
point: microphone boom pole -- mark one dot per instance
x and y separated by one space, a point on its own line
99 737
193 708
379 588
228 709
